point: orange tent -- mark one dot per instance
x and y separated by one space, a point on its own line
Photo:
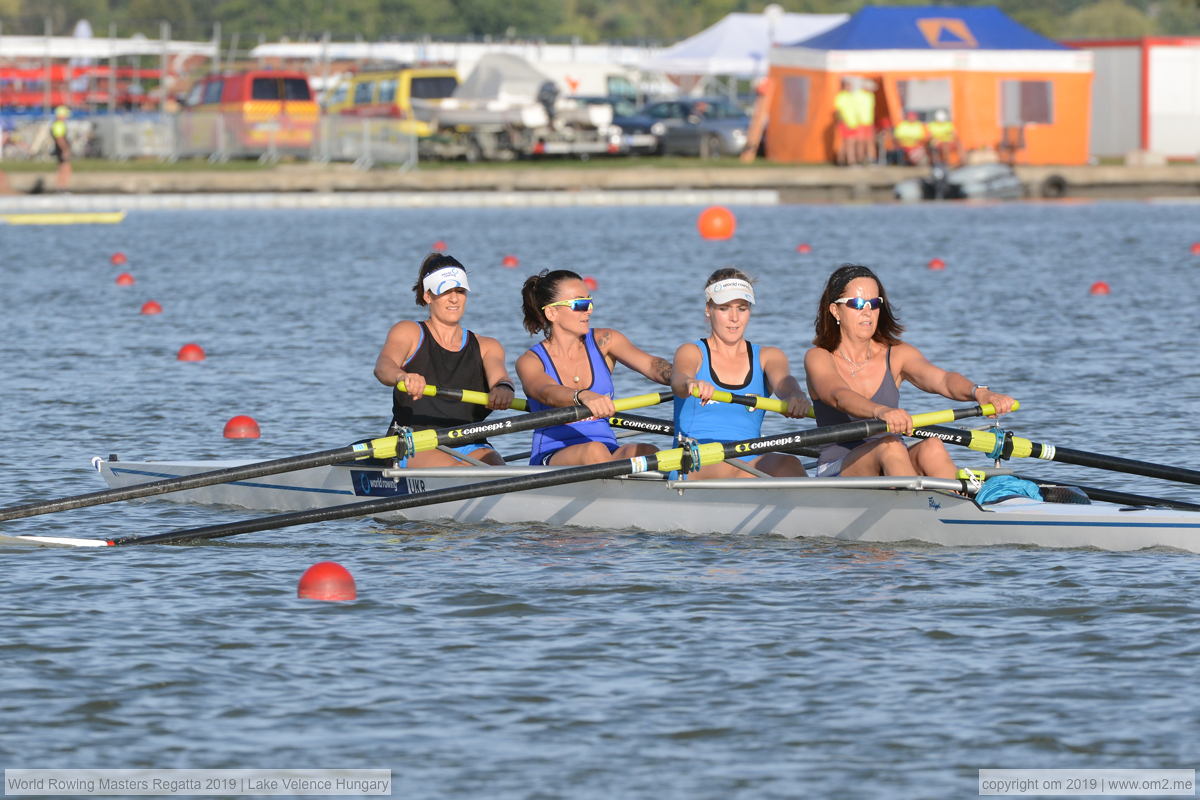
1001 83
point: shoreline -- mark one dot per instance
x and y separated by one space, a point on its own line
799 184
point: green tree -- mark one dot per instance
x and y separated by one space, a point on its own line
1106 19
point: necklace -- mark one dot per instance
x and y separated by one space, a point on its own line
857 366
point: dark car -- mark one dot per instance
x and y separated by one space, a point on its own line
698 126
635 137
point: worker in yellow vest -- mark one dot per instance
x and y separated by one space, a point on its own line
943 140
912 137
864 107
845 109
62 148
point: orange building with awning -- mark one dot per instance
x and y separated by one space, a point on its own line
1001 83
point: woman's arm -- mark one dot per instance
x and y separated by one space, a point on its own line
541 387
683 373
780 378
929 377
500 387
828 386
398 348
614 344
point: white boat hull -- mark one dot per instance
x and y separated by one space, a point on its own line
851 509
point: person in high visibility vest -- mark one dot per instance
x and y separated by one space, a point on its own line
864 106
845 109
943 140
912 137
62 148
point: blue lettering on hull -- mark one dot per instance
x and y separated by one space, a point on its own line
369 483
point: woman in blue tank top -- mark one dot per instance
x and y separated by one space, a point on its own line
726 360
573 366
855 371
441 352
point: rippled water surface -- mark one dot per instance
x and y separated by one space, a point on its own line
533 662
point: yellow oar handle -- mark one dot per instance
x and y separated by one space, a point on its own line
752 401
938 417
465 396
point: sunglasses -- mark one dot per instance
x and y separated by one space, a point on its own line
578 304
859 303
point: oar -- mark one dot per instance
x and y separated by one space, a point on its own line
752 401
663 460
520 404
1010 446
384 447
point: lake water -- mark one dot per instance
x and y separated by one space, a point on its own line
533 662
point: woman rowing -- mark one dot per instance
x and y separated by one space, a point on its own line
440 352
855 370
726 360
573 366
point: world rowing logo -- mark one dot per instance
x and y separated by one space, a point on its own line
368 483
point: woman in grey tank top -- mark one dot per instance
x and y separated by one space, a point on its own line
855 369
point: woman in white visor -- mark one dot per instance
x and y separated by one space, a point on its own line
441 352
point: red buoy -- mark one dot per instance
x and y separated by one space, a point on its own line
1100 287
191 352
151 307
937 263
716 222
439 246
241 427
118 258
804 247
591 283
125 279
1196 248
327 580
510 261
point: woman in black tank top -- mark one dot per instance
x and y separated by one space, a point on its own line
441 352
855 371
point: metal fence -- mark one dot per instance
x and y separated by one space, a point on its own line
365 142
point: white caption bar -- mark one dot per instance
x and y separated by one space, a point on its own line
1075 782
96 782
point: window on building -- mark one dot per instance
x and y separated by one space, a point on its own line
794 100
1024 102
924 96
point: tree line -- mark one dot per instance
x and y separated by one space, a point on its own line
654 22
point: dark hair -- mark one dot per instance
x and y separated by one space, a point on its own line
829 334
432 263
727 273
539 291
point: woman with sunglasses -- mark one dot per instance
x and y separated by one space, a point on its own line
441 352
725 359
573 366
855 371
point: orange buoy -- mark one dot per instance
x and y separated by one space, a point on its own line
937 263
125 279
151 307
327 580
591 283
804 247
241 427
439 246
1099 287
510 261
716 222
191 352
118 258
1196 248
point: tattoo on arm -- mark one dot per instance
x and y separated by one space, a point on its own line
663 369
602 339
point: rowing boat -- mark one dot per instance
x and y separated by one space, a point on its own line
65 218
885 509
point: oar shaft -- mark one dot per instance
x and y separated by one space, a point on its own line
664 460
752 401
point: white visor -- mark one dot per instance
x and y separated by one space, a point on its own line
727 291
444 280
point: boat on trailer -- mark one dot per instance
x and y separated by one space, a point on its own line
882 509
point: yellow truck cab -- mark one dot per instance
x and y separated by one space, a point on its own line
390 93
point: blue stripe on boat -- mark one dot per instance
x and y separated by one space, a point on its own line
149 474
1078 524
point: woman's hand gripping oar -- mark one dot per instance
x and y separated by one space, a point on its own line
664 460
384 447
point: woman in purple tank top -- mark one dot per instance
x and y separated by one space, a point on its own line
855 370
573 366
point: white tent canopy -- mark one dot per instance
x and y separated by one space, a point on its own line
59 47
738 44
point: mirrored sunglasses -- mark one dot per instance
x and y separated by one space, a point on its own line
578 304
859 303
